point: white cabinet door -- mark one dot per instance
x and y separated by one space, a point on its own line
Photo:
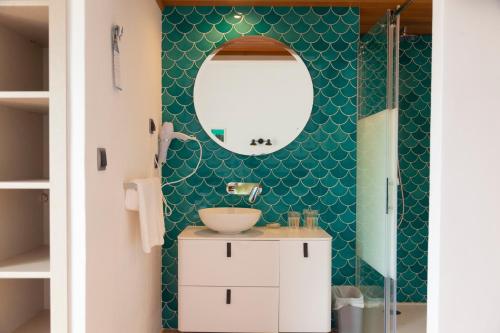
228 309
228 263
305 292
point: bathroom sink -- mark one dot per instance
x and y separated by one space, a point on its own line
229 220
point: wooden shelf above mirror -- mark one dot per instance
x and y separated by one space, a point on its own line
254 46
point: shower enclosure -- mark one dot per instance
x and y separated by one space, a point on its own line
377 173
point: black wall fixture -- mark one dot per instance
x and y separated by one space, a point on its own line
152 126
102 159
261 141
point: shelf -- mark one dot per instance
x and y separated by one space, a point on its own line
24 94
33 101
31 265
41 184
38 324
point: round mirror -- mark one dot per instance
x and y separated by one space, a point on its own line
253 95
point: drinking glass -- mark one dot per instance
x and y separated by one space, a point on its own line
311 218
294 220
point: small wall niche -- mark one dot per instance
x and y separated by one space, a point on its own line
24 142
24 234
24 306
24 63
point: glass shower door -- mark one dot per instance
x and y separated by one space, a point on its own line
377 175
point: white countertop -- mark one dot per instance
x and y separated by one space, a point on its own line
256 233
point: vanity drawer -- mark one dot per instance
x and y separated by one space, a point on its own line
228 309
228 263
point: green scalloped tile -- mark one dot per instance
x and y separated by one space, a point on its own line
414 130
272 17
252 18
291 18
242 27
294 177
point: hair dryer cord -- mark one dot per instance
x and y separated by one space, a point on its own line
165 182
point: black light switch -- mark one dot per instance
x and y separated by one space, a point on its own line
152 126
102 159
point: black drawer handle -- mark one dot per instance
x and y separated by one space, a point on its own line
228 296
306 250
228 250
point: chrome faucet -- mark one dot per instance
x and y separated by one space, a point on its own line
251 189
254 193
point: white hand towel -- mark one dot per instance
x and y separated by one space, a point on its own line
150 212
132 200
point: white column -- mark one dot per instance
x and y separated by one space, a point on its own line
464 244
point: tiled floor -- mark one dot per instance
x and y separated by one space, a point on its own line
413 318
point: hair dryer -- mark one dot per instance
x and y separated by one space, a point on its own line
167 134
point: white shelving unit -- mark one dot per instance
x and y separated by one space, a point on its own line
34 264
31 101
38 324
33 231
37 184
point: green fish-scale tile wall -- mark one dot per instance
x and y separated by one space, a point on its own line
414 147
317 169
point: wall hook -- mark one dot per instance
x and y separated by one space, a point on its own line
116 36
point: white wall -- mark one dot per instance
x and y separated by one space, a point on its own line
464 244
122 288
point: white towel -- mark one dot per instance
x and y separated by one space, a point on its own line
150 206
131 199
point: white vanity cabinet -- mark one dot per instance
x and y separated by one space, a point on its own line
264 280
305 292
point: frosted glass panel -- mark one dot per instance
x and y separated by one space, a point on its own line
377 174
375 190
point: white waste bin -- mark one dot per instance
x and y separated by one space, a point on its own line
348 304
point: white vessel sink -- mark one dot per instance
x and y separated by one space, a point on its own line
229 220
